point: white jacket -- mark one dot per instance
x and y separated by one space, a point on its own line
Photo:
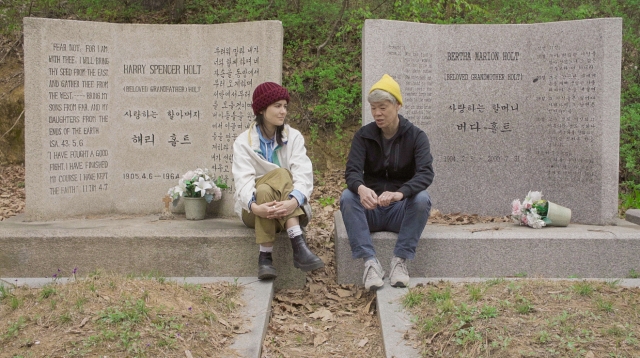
249 164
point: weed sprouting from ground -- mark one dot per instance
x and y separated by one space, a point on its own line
526 318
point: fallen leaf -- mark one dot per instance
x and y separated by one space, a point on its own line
363 342
589 355
319 339
344 293
188 354
323 314
84 321
224 323
368 305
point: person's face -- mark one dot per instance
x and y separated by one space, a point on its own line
385 113
274 114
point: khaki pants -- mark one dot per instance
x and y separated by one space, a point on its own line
275 185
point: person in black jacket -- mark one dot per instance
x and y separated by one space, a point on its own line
388 171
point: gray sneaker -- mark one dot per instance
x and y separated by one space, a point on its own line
399 275
373 275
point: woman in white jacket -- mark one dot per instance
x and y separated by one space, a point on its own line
273 180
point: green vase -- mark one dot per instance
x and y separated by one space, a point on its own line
195 208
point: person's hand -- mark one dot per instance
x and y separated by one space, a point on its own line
283 208
274 209
368 197
389 197
264 210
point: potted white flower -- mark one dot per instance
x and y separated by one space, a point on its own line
197 188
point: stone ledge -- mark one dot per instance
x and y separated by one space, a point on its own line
140 245
633 216
503 250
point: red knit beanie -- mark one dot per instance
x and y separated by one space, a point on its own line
266 94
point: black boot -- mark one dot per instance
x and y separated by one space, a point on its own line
266 271
303 258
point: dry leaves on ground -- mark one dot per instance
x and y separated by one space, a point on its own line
12 194
324 319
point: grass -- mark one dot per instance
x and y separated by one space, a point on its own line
525 318
116 315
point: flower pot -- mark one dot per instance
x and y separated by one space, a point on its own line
559 215
195 208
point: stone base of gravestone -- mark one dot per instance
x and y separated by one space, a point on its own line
140 245
504 250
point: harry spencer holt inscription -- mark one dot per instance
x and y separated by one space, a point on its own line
161 70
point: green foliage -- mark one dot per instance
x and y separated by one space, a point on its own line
487 312
47 291
412 299
583 288
326 201
524 306
630 153
15 327
475 291
438 12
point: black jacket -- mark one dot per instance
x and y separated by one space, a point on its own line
410 162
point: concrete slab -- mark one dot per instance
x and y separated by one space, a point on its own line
633 215
139 245
395 321
503 250
256 295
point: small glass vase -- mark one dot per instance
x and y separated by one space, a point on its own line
195 208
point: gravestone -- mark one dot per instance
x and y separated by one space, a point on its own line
509 109
117 113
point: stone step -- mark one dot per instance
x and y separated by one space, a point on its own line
256 311
503 250
633 215
140 245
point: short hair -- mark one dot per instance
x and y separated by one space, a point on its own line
379 95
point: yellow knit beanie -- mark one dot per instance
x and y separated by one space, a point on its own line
388 84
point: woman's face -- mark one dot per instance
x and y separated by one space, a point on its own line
274 114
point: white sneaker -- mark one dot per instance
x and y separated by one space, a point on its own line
373 275
399 275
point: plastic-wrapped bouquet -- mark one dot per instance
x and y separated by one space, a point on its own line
198 183
536 212
531 212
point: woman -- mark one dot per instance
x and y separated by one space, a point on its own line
273 180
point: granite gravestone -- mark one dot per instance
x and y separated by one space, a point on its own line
509 109
117 113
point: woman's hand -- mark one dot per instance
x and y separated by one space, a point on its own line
284 208
274 209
